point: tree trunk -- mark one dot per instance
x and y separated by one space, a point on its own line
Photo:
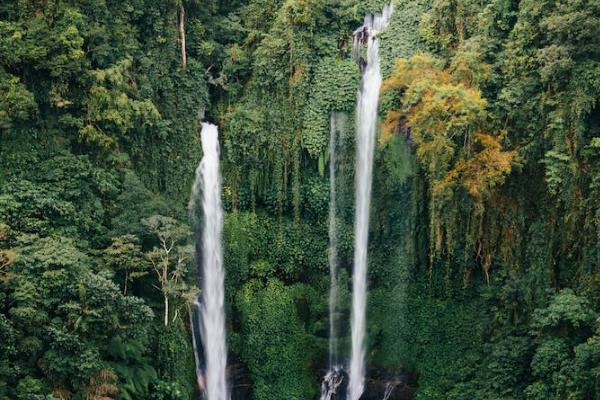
166 310
182 34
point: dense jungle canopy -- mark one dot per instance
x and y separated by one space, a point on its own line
484 241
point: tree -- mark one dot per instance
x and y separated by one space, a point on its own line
125 255
170 260
182 34
446 116
7 255
278 346
64 316
563 363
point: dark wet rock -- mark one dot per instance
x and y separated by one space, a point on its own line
239 379
379 385
390 385
334 384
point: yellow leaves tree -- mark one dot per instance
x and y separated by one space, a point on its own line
102 386
448 122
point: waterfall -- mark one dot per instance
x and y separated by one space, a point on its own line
193 311
337 121
332 382
389 389
366 127
212 305
335 375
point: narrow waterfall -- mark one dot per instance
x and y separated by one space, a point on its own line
335 375
193 314
212 305
366 128
337 121
389 389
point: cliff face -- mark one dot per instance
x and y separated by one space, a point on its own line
483 277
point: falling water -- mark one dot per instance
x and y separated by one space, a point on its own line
212 310
335 375
332 382
193 311
366 125
389 389
337 121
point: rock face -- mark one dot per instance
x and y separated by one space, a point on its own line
334 385
238 375
388 385
379 385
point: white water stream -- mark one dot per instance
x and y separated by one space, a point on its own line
366 129
335 375
212 304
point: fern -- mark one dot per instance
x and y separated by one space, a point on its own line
132 368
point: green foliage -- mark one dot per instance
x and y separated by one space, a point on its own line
448 23
132 366
447 119
277 349
99 134
334 88
170 259
168 391
528 64
483 258
64 314
557 364
174 363
110 111
17 102
30 388
63 196
124 256
401 39
567 311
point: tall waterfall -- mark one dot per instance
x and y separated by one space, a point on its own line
337 121
366 127
212 305
335 375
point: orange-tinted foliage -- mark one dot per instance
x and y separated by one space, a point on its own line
448 122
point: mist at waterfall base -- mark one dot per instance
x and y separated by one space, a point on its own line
210 310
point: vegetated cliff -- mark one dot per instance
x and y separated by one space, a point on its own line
483 258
